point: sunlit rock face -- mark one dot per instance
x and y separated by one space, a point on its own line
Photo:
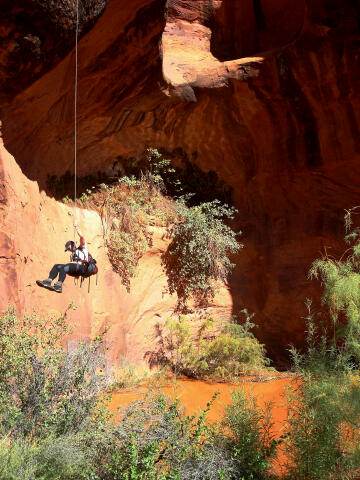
33 230
266 93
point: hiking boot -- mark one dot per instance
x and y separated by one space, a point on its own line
45 284
57 287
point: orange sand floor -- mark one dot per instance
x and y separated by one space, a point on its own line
195 394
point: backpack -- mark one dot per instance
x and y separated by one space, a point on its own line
92 268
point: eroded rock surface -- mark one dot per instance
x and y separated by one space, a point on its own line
33 230
281 128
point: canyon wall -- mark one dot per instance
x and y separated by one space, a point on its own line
265 93
33 230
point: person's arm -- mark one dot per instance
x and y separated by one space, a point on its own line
82 239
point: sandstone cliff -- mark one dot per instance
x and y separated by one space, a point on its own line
33 230
266 93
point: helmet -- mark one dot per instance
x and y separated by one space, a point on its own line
69 245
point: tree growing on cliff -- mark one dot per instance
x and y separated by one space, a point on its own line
198 255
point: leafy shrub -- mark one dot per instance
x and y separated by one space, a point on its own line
17 459
321 432
52 458
126 210
210 353
53 425
44 389
155 440
249 438
198 255
341 280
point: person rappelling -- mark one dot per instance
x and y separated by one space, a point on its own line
82 264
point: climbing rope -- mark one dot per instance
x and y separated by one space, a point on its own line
75 109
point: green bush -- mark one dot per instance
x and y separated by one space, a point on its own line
156 441
53 425
45 390
341 280
126 210
206 352
249 436
198 255
321 432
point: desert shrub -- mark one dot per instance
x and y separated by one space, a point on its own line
155 440
210 352
53 424
341 280
127 208
17 459
51 458
321 438
249 436
198 255
43 389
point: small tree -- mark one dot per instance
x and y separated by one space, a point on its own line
249 436
321 432
341 281
198 255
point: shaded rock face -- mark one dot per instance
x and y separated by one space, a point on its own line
36 34
265 93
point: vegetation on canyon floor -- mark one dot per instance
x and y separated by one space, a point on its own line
205 350
55 424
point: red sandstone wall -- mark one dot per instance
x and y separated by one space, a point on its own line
33 230
281 127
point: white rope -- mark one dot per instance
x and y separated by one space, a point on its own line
75 123
75 106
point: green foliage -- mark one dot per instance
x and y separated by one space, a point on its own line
250 439
186 179
321 439
53 426
341 280
156 441
209 353
321 432
54 458
198 255
44 389
126 210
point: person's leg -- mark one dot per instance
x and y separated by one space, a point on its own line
52 275
54 271
69 268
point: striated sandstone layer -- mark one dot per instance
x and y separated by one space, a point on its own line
264 92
